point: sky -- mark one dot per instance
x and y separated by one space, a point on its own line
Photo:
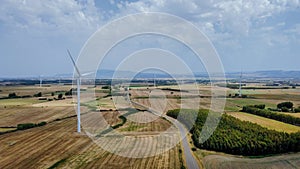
248 35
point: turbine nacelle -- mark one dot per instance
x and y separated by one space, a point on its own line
79 74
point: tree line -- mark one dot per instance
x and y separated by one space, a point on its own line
272 115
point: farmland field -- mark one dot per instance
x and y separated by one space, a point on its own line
14 116
18 102
47 145
293 114
265 122
58 145
217 160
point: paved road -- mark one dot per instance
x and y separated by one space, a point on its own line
190 159
191 162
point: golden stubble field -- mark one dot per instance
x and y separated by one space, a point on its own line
270 98
57 143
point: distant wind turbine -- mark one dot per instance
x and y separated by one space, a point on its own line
240 88
78 79
154 82
41 81
59 80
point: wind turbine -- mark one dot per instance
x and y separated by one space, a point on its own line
240 88
41 81
59 81
154 82
78 79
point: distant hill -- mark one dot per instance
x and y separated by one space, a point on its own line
278 74
108 74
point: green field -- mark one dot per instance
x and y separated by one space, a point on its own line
132 127
244 102
236 104
246 91
265 122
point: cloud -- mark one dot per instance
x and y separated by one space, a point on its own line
214 17
52 16
234 16
39 32
239 29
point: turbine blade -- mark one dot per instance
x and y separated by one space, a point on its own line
86 74
74 64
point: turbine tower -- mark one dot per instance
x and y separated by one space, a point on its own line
78 79
41 81
240 88
154 82
59 81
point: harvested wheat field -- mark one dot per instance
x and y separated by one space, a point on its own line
145 122
31 90
14 116
133 135
288 161
57 144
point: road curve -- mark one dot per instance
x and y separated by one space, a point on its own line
191 162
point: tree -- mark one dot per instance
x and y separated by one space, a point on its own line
239 137
260 106
69 93
39 94
107 87
297 110
60 96
285 109
288 105
25 126
12 95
